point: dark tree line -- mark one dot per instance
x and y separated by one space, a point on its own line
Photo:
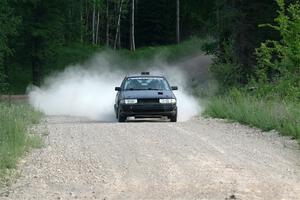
238 33
33 31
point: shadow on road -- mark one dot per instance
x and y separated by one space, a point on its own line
83 120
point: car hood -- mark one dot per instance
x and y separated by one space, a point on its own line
145 94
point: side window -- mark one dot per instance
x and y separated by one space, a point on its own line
123 84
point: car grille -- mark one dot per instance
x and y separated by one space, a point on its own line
148 108
148 100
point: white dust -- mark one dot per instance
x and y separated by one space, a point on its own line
87 90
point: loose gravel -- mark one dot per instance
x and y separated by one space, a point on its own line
198 159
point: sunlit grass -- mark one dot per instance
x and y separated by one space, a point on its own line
170 53
15 137
265 114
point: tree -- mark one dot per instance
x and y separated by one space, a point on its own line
93 22
132 30
8 29
118 23
155 22
178 21
238 35
48 29
43 32
107 23
282 56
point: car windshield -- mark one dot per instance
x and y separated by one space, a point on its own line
146 83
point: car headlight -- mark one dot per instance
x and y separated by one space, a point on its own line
167 101
129 101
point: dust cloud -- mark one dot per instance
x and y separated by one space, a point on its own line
87 90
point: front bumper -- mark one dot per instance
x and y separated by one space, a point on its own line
148 110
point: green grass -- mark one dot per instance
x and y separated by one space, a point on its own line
15 121
262 113
169 53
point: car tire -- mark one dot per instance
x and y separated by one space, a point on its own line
121 118
173 118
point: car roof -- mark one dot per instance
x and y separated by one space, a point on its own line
144 76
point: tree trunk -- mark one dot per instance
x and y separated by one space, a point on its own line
81 22
132 29
118 24
36 64
178 22
87 18
93 25
107 23
98 22
119 39
6 77
6 70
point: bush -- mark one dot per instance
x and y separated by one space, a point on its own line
279 61
225 68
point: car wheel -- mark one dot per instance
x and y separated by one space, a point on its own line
116 112
173 118
121 118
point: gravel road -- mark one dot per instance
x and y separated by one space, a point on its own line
198 159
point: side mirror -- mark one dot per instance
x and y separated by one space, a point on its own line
174 88
118 89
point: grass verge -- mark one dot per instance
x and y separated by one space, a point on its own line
262 113
169 53
15 121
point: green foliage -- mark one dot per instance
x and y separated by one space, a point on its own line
3 84
260 112
156 21
37 36
236 28
15 121
225 68
284 87
279 61
283 55
8 29
270 99
73 53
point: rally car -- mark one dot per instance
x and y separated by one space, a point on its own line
145 96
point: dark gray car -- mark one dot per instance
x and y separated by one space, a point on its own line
145 96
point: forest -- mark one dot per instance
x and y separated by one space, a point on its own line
35 32
256 44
